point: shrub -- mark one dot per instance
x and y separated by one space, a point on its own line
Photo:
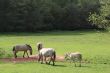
2 52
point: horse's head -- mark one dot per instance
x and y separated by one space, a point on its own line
39 46
67 56
13 48
30 48
14 51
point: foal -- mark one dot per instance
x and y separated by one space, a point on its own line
74 57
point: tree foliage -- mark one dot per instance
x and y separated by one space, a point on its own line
35 15
102 19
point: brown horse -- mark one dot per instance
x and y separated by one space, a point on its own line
24 48
46 52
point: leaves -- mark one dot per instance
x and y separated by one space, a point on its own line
101 19
35 15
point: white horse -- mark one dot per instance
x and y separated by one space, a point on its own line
46 52
74 57
24 48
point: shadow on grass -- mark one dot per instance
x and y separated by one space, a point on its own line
59 66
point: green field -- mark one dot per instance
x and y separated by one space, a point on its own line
94 45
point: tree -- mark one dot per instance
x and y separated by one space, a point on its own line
35 15
101 19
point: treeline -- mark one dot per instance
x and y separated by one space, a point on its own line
41 15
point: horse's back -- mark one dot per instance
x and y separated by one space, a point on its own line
76 55
20 47
47 51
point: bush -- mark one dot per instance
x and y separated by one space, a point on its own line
2 52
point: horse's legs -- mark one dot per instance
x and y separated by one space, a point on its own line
15 55
80 63
53 61
41 59
23 54
74 64
45 60
50 60
27 54
54 57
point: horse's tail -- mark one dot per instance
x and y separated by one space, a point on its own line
13 48
54 55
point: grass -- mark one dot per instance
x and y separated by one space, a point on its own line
59 68
94 45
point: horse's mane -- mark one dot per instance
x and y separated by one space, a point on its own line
28 45
39 45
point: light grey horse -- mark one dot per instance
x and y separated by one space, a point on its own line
74 57
46 52
24 48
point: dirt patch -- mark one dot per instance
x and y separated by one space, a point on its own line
32 58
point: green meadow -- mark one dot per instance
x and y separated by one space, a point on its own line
94 46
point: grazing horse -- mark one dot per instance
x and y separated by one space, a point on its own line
46 52
24 48
74 57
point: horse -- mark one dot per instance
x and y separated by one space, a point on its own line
24 48
46 52
74 57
